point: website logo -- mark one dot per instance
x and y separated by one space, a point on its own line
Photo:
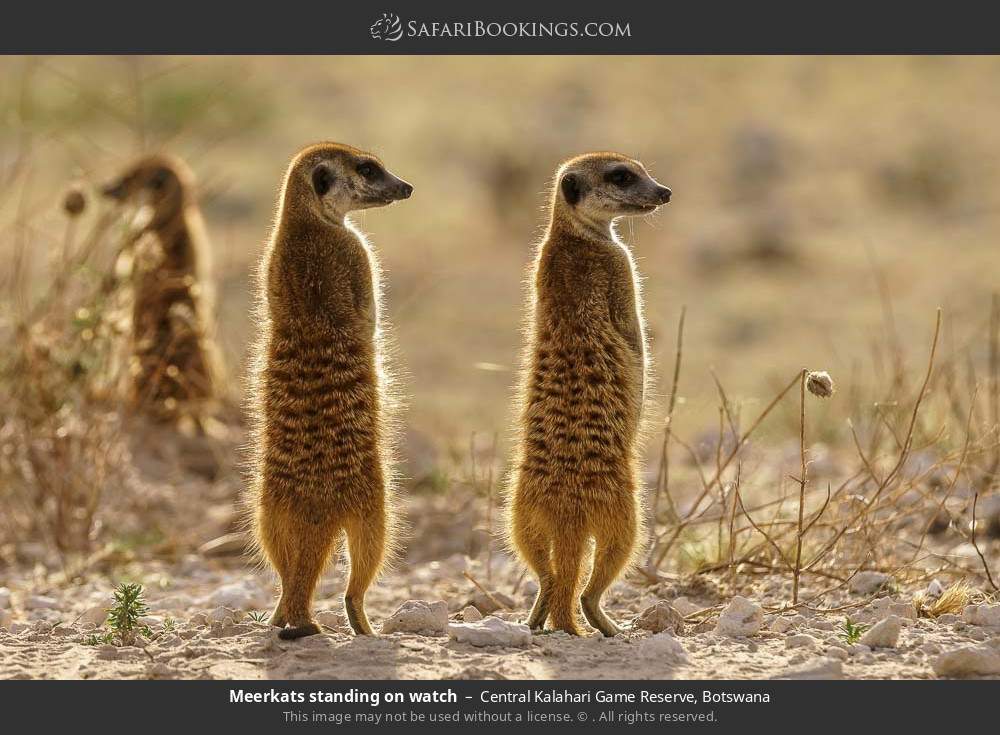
387 28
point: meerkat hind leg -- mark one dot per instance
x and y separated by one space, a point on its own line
610 557
568 551
535 550
366 539
298 587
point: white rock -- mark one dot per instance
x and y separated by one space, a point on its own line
934 590
95 615
817 668
685 607
884 634
4 598
490 631
982 615
664 646
659 617
865 583
242 595
471 614
41 602
418 616
801 640
968 661
858 649
741 618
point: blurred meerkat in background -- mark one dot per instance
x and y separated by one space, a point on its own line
322 465
173 364
575 474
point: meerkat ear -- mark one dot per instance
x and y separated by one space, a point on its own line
572 189
322 180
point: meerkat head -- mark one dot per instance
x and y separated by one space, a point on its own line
336 179
598 188
161 182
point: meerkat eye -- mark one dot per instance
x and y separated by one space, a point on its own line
158 179
322 180
369 170
621 177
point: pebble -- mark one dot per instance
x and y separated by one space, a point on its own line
982 615
865 583
740 619
934 590
821 667
968 661
781 624
418 616
858 649
41 602
471 614
801 640
664 646
6 618
659 617
95 615
491 631
220 613
884 634
837 652
331 619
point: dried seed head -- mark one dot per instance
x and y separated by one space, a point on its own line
74 202
820 383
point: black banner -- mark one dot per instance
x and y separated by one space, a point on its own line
512 27
494 706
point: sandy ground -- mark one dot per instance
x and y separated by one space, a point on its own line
199 628
204 605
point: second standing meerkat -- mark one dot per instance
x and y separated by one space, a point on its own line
322 465
173 362
575 477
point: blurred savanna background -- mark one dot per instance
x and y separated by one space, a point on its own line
823 209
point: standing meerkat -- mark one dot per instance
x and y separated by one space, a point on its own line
172 364
322 464
575 475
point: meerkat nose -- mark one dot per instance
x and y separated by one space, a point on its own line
405 190
664 194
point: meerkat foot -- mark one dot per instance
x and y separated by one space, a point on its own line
278 619
598 618
356 616
298 631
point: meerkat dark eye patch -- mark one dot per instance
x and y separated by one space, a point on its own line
370 171
322 180
158 179
621 176
572 189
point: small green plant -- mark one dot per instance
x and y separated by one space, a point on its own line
123 617
851 632
106 638
258 616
